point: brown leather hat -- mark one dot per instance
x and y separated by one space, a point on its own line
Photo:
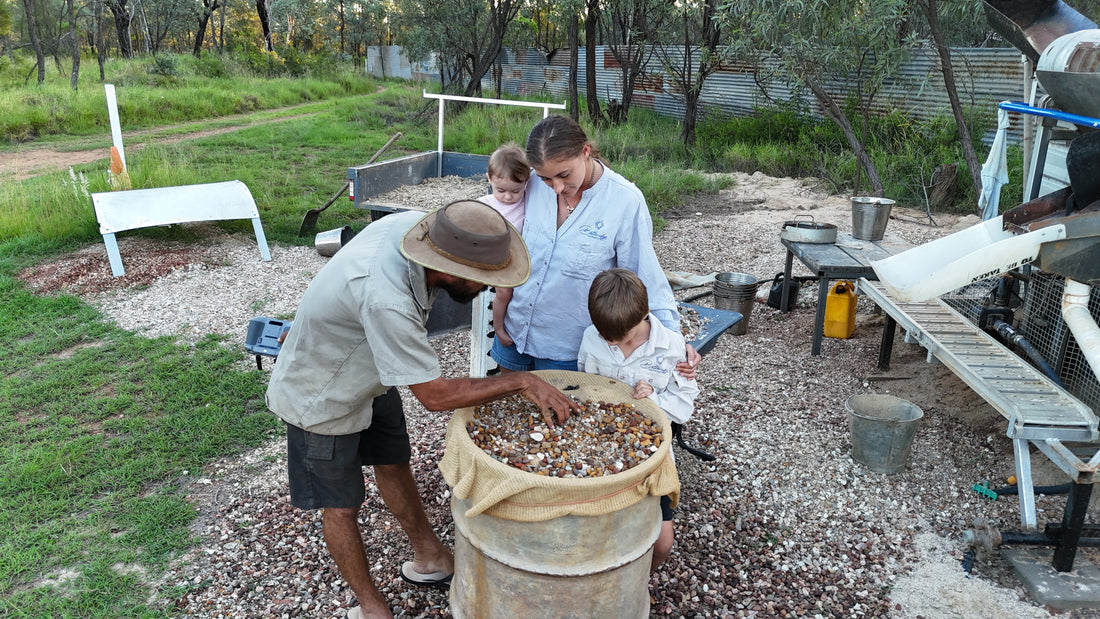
469 239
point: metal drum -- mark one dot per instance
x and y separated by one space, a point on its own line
572 566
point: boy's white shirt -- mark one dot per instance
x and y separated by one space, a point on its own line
654 362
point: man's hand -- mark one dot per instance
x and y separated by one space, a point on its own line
642 390
551 401
503 337
687 368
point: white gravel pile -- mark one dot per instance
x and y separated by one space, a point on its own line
783 524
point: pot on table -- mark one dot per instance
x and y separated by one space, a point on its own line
808 231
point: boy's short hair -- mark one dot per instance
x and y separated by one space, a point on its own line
509 162
617 302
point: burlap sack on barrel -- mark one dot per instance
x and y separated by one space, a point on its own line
496 489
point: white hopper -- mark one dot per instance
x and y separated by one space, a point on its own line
978 252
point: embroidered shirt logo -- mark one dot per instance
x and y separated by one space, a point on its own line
593 231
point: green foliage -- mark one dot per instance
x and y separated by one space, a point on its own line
785 141
165 66
166 89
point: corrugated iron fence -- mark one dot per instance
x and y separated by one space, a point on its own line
984 78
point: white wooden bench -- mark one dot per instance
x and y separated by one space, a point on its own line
117 211
1039 412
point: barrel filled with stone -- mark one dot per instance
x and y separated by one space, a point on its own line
603 439
557 521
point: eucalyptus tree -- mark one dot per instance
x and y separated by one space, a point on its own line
696 55
591 25
206 12
263 13
466 36
629 26
167 17
571 14
74 40
123 16
931 11
367 25
829 47
29 10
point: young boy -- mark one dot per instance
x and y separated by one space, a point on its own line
508 175
628 343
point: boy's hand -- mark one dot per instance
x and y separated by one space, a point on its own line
642 390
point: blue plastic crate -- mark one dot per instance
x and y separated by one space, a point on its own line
263 335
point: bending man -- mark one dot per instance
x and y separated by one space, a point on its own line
360 332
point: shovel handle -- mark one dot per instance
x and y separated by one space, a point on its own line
373 158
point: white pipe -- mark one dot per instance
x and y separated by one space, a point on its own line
1075 311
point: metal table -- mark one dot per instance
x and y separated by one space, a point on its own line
849 258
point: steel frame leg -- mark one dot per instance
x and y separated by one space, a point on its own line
1073 520
886 346
819 318
1026 488
786 283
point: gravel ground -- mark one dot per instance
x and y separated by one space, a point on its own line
783 524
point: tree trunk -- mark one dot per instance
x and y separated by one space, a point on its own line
209 6
836 114
687 81
146 40
74 81
100 53
265 24
342 18
221 27
691 111
32 30
498 74
931 13
592 96
123 18
574 102
502 12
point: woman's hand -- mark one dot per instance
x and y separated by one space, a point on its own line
687 368
642 390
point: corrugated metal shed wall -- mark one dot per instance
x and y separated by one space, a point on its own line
984 77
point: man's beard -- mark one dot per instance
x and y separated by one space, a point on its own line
462 295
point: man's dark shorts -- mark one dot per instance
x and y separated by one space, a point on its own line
327 471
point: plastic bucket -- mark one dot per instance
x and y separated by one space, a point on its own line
869 217
882 428
572 566
737 292
330 241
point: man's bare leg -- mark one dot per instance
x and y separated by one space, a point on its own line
345 544
398 489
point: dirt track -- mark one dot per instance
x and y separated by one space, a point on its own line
30 160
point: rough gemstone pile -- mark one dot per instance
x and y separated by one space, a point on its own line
603 439
691 323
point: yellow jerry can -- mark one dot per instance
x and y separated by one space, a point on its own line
840 310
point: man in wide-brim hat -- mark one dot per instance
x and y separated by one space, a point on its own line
358 334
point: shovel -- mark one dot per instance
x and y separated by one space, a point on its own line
309 222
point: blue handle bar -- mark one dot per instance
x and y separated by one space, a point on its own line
1077 119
